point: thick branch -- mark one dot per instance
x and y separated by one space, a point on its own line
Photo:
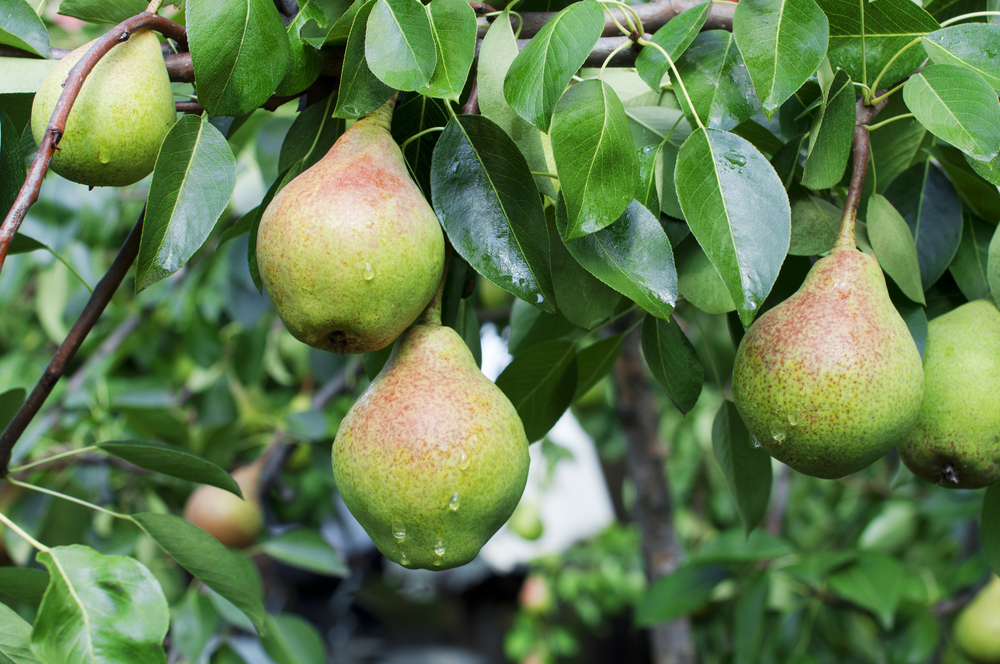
654 15
105 289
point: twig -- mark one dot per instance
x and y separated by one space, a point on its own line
105 289
654 15
190 107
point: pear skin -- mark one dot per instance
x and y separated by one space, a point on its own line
232 520
956 441
830 380
977 628
350 251
125 108
432 458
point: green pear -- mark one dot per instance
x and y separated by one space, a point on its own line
232 520
956 441
350 251
125 108
830 380
432 458
977 628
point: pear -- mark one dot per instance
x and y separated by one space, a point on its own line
432 458
115 127
830 380
350 251
232 520
977 628
956 441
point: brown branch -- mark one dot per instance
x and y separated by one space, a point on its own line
189 107
862 149
639 416
57 123
654 15
105 289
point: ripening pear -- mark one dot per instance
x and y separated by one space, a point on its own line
115 127
350 251
232 520
830 380
977 628
956 441
432 458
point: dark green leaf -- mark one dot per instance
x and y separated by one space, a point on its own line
594 362
993 264
193 622
736 547
645 191
24 583
813 568
893 244
746 467
979 195
292 640
12 171
874 582
969 266
10 403
453 23
487 202
530 326
760 136
102 11
968 45
306 62
989 526
540 382
895 147
674 37
750 625
673 361
583 299
815 222
399 45
310 137
306 548
831 135
677 594
15 638
413 115
698 282
916 322
172 461
360 92
21 28
717 81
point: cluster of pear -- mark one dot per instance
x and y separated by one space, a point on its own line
432 458
830 380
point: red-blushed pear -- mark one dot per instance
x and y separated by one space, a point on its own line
234 521
125 108
350 251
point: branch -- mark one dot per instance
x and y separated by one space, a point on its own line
57 123
654 15
105 289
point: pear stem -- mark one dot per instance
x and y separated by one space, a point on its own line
862 151
431 316
382 116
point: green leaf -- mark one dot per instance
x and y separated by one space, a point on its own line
738 210
399 45
678 593
239 50
736 547
583 299
23 583
172 461
831 136
750 624
929 205
340 30
227 573
306 62
21 28
632 255
746 467
717 81
595 157
540 382
415 114
968 45
293 640
102 11
989 526
255 226
893 244
530 326
895 147
993 265
674 38
12 171
865 36
815 222
487 202
874 582
99 610
782 42
645 191
360 92
698 282
10 403
453 24
595 361
969 268
306 548
310 137
539 74
673 361
981 197
193 622
194 177
15 638
958 106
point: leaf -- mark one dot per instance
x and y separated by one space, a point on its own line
815 222
632 255
874 582
750 624
865 36
487 202
981 197
969 265
12 171
21 28
645 191
895 147
24 583
530 326
10 403
717 81
255 226
310 137
360 92
453 24
737 208
540 382
239 50
698 282
968 45
746 467
399 46
306 62
102 11
673 361
595 361
99 610
227 573
172 461
674 38
993 265
678 593
193 622
782 43
583 299
595 157
293 640
929 205
539 74
306 548
15 638
194 177
736 547
415 114
894 247
831 136
989 526
958 106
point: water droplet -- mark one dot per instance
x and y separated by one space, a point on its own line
463 460
454 168
439 548
368 273
404 559
454 502
793 418
736 158
399 531
539 299
778 434
103 157
756 443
